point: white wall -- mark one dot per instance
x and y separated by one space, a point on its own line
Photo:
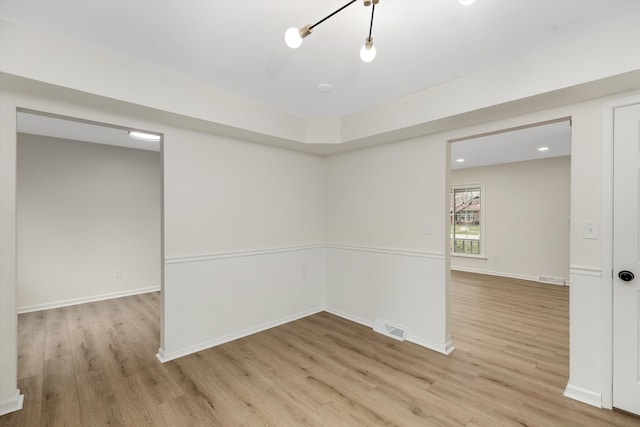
385 198
10 397
386 231
526 218
85 211
210 300
87 84
223 194
244 224
399 194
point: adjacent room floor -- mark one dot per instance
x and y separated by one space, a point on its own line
94 364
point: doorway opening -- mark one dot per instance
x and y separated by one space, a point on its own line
509 248
89 231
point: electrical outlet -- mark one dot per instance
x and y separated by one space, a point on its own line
118 274
303 272
590 230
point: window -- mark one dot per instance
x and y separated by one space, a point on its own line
467 220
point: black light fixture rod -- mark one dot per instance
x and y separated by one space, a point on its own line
373 9
324 19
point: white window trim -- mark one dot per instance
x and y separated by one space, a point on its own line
483 235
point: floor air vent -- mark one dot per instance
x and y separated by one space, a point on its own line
392 331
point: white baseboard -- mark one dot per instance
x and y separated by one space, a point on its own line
163 356
507 275
583 395
444 349
83 300
344 315
12 404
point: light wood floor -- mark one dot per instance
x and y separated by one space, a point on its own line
95 365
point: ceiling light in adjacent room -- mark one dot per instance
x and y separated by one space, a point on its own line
151 137
543 149
460 160
325 87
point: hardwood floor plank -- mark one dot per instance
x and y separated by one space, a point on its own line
56 334
31 344
419 409
239 385
94 364
183 411
136 406
204 389
353 407
31 387
293 399
30 414
159 384
60 399
96 396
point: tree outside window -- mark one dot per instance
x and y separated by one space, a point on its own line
467 220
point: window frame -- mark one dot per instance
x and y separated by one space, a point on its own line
482 220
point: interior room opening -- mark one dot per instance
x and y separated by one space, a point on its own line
89 225
510 239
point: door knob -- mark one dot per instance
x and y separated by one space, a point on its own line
626 276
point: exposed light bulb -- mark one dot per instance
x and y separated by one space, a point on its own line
292 38
368 50
466 2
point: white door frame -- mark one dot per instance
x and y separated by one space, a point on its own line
606 296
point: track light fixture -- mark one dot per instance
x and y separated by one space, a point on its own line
293 36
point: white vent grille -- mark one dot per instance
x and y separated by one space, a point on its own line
552 280
393 331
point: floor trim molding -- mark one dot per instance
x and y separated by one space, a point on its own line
13 404
583 395
164 357
507 275
446 349
83 300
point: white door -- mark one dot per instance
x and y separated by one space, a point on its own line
626 259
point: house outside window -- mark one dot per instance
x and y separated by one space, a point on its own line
467 220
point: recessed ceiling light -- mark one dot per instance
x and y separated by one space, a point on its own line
543 149
459 160
466 2
144 136
324 87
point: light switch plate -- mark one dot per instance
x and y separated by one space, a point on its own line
428 228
